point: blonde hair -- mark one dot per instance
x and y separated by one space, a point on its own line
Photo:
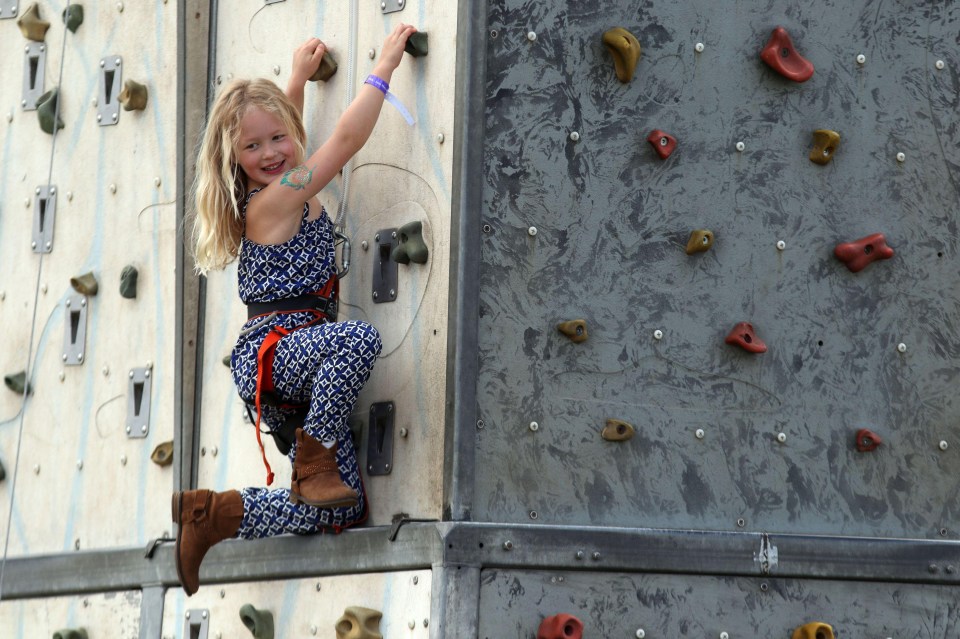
220 184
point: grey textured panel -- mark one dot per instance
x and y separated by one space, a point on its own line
513 603
612 220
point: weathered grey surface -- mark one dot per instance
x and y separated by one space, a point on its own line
612 220
513 603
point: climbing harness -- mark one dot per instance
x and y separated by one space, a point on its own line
323 305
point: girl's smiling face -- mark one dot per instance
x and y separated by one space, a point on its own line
265 151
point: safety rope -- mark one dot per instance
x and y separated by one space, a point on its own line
33 326
350 94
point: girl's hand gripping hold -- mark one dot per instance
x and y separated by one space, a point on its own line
306 61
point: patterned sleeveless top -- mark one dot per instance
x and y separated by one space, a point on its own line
301 265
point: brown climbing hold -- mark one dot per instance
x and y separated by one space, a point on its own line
32 26
825 143
617 431
813 630
359 623
85 284
133 97
781 56
663 143
326 70
562 626
700 240
625 49
867 440
745 337
162 455
859 253
576 330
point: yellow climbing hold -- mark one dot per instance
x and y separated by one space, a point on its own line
617 431
825 143
133 97
359 623
32 26
813 630
625 49
576 330
700 240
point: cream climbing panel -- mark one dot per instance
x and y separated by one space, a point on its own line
83 481
305 607
113 614
403 175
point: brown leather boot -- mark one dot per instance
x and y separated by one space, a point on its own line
204 518
316 477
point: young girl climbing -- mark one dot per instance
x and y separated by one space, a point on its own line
256 202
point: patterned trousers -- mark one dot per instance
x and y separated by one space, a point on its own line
325 366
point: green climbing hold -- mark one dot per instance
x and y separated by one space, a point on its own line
258 622
17 382
47 110
625 49
85 284
226 360
417 44
73 17
3 472
79 633
326 70
128 282
410 245
32 26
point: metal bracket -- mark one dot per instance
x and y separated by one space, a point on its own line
44 214
34 72
75 330
108 102
380 439
138 403
196 624
9 9
392 6
384 269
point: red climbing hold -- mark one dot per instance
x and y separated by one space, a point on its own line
663 143
562 626
857 255
746 338
867 440
780 54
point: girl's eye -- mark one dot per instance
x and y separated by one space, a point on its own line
278 137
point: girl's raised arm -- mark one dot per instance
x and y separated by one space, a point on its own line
275 213
306 60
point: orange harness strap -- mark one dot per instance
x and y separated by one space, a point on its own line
265 356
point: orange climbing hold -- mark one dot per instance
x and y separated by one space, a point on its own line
745 337
562 626
663 143
781 56
857 255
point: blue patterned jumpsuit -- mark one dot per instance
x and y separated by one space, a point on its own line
325 365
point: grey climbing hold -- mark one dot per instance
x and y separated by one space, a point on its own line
258 622
128 282
85 284
326 70
17 382
73 17
410 245
47 111
417 44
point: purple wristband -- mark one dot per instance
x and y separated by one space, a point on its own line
374 81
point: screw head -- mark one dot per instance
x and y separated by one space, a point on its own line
781 437
440 138
658 334
940 65
901 157
276 69
902 347
861 59
944 445
640 633
698 47
531 36
534 426
741 146
579 554
781 245
532 231
724 635
508 545
595 556
575 136
700 434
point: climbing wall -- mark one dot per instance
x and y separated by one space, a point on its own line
95 200
114 614
583 219
402 175
652 606
322 607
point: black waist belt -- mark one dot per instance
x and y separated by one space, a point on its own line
316 303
